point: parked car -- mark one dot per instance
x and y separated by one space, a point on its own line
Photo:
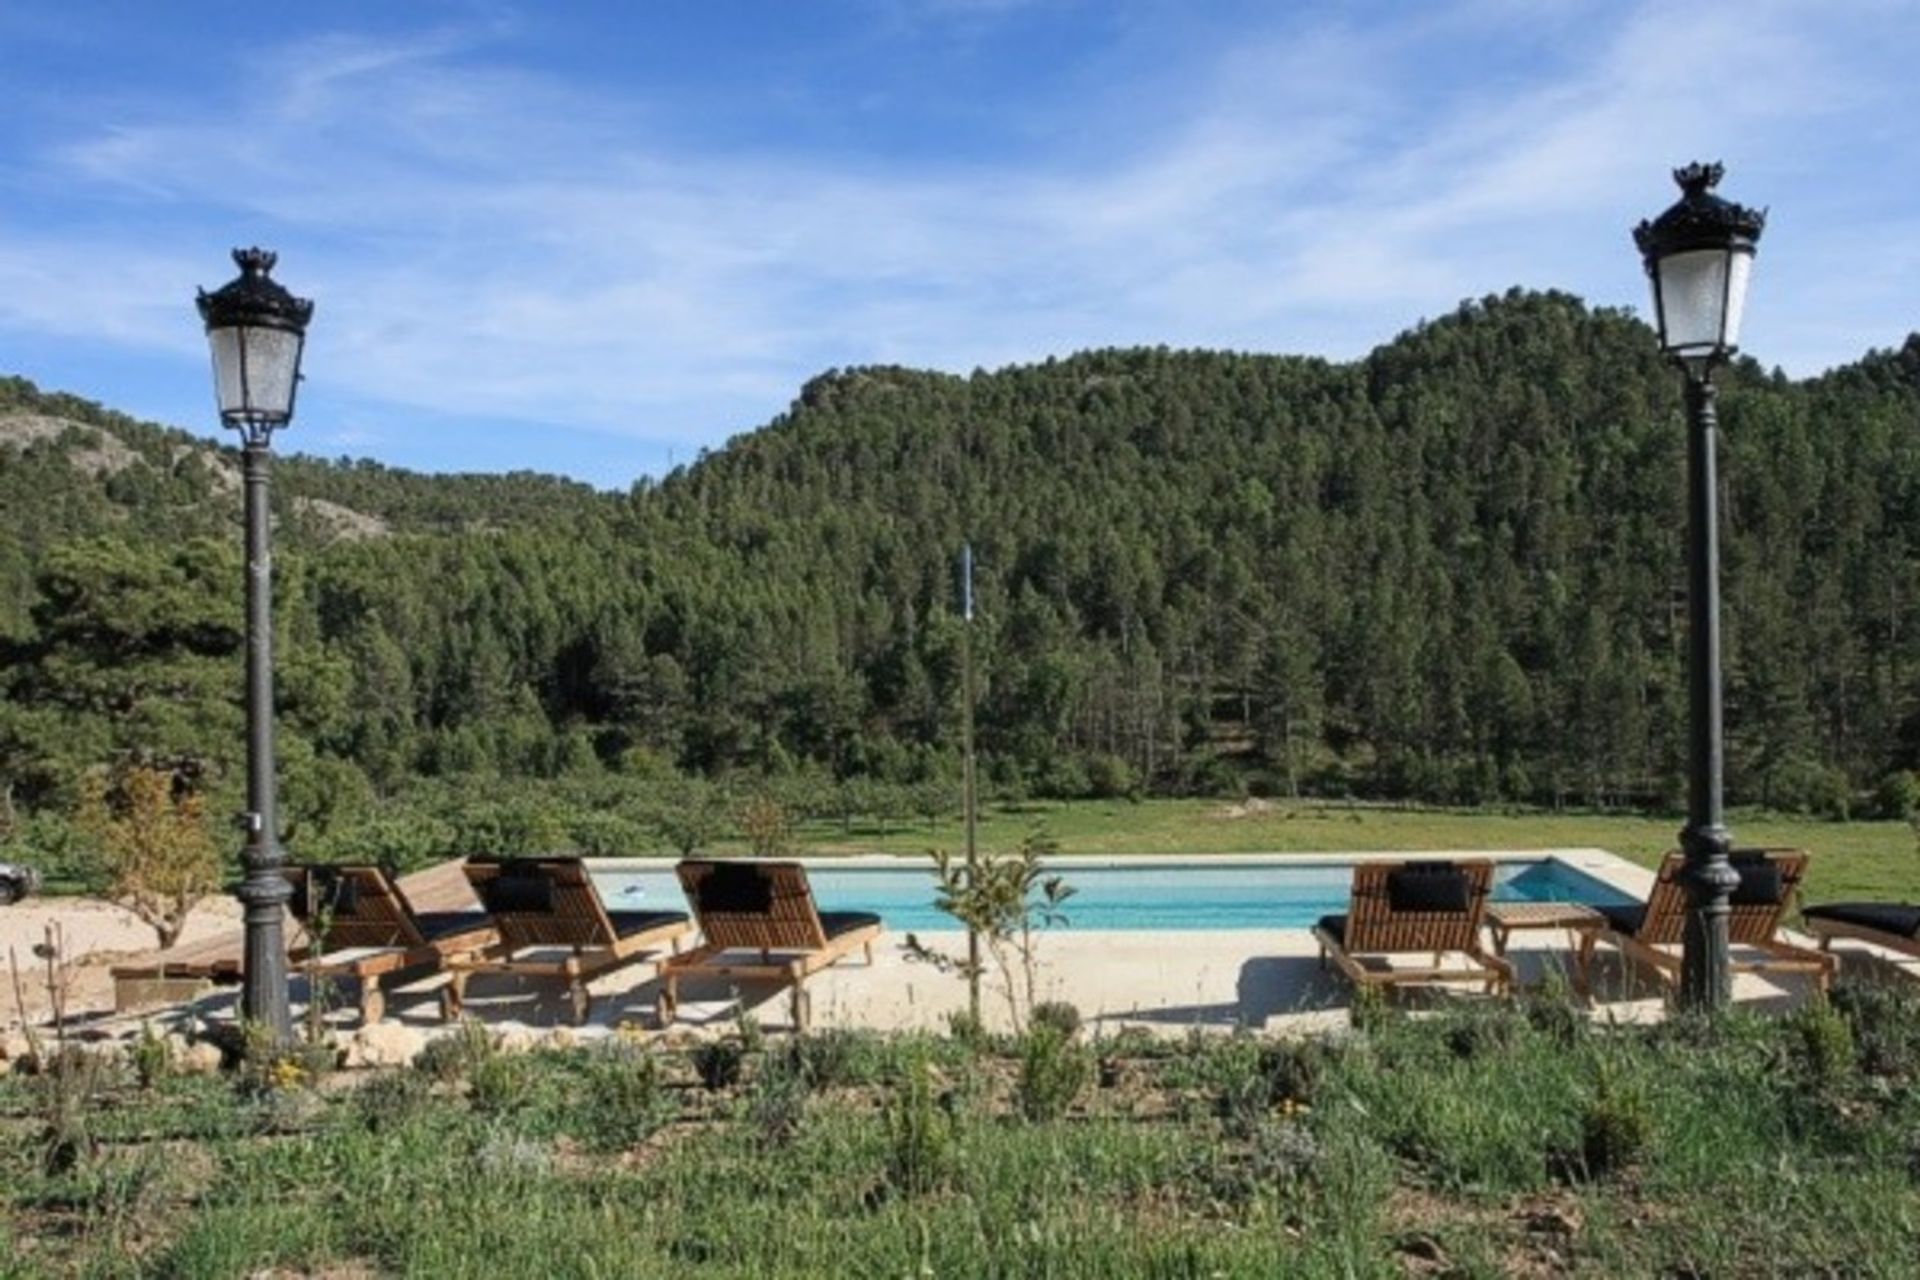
17 880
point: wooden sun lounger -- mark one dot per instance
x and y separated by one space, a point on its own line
1770 879
546 904
1892 925
748 912
1402 908
368 929
187 972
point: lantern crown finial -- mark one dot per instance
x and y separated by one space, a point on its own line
255 262
1695 179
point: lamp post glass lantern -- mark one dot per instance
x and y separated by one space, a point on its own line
257 331
1699 260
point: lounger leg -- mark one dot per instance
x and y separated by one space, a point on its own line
802 1007
667 1003
868 949
373 1001
453 997
580 1000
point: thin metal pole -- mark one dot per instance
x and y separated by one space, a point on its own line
1706 979
968 779
264 892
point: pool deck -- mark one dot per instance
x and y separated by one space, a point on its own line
1164 982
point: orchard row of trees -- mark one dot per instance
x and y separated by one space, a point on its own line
1452 571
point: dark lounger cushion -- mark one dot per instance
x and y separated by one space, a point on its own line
838 922
1898 919
1429 886
1624 918
628 923
435 925
1336 926
736 887
517 891
1760 882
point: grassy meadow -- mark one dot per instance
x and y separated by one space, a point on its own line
1492 1138
1850 859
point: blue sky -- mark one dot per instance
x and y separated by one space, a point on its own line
595 238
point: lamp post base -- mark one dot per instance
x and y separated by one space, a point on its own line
1706 977
263 992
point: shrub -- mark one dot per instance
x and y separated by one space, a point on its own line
1063 1016
624 1098
1616 1127
1109 777
1804 786
966 1028
392 1099
1821 1041
826 1059
1884 1023
456 1056
778 1107
1053 1072
501 1082
920 1135
718 1063
1898 795
151 1059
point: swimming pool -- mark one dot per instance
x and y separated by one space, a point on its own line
1132 895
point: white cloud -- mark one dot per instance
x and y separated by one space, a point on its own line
493 241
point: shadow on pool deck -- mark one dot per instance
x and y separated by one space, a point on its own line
1166 983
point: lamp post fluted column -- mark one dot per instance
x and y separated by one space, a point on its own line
257 332
265 891
1705 968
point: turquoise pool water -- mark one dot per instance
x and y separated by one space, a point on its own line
1153 895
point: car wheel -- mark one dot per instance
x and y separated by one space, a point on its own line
9 893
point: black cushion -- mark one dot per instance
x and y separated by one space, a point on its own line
838 922
1895 918
1429 886
628 923
1624 917
435 925
735 886
518 891
1336 926
1760 881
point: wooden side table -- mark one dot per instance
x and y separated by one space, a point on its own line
1504 919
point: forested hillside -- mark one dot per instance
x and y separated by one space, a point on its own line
1453 570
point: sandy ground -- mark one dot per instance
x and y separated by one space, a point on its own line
93 935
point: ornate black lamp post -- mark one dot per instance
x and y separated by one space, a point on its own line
257 330
1699 256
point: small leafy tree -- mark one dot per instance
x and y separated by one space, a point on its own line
767 826
691 816
1009 900
157 855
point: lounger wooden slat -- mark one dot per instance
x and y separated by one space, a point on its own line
546 904
748 912
182 973
1373 929
369 929
1647 936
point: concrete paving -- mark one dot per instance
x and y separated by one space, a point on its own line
1166 983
